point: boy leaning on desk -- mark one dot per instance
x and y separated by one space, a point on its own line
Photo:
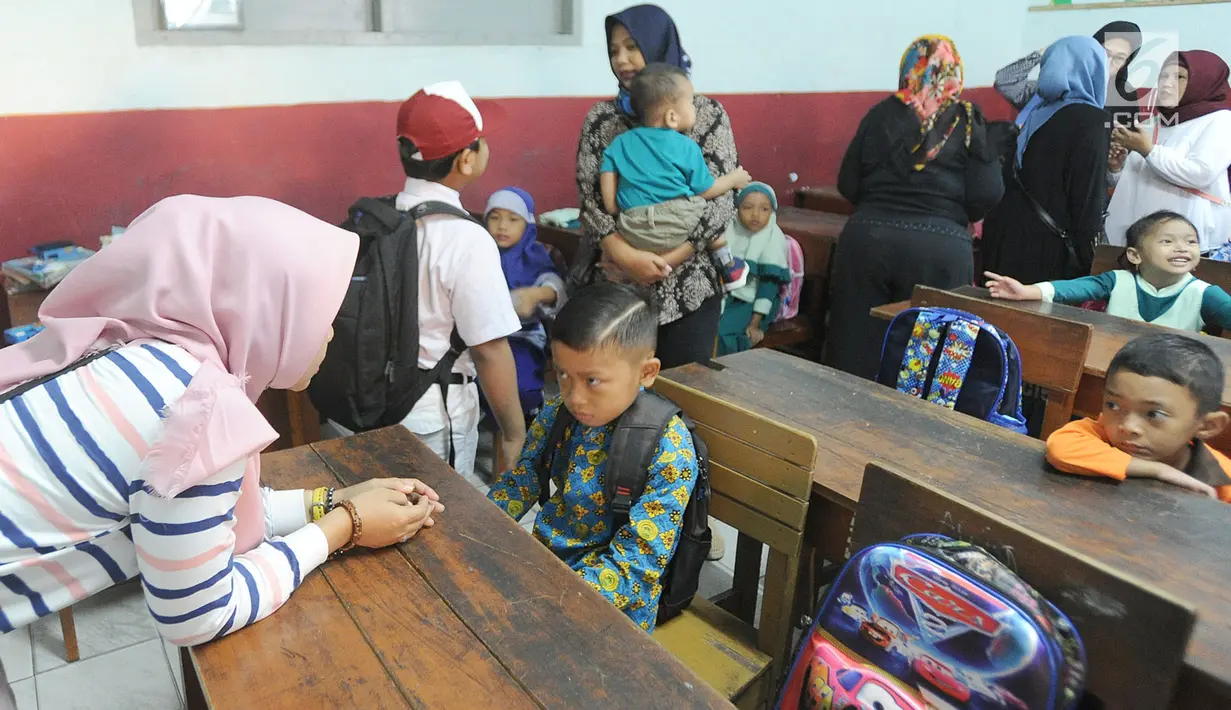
1162 401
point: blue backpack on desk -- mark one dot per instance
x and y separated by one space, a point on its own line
957 360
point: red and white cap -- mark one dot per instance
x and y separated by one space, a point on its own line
441 119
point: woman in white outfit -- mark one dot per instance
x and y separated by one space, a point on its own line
1178 159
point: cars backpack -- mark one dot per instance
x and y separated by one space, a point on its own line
370 377
634 442
791 290
957 360
931 622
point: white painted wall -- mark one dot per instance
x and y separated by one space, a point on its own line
1198 26
80 55
64 56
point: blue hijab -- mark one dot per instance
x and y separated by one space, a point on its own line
655 34
524 262
1074 71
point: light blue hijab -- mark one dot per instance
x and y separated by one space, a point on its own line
1074 71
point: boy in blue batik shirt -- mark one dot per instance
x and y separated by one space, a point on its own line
603 347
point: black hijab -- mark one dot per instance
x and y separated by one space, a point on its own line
1121 95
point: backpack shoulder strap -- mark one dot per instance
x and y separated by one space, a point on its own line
637 436
382 209
28 385
434 207
547 457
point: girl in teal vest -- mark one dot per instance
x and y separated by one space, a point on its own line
1157 286
755 237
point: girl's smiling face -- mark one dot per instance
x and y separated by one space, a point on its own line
506 228
754 211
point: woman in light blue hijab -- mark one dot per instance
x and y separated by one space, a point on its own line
1051 216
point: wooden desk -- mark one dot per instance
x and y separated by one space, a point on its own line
1110 334
566 240
1161 536
20 308
823 199
469 613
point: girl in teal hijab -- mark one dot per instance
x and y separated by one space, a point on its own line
754 236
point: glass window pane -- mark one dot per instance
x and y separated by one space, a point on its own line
201 14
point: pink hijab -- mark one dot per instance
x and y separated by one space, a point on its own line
246 285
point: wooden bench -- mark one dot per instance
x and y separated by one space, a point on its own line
760 472
1053 350
471 610
1110 334
823 199
817 234
1157 535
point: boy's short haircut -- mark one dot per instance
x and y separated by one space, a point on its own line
1184 361
654 87
604 315
430 170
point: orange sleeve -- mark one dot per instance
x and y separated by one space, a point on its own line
1224 491
1081 447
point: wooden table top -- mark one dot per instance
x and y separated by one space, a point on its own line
856 422
1110 332
470 612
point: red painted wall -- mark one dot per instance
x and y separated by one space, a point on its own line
72 176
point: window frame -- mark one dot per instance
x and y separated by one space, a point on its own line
151 31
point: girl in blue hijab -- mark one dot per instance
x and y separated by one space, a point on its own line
534 282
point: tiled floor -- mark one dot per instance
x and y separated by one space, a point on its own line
126 666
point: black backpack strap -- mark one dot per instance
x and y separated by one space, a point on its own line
547 457
382 209
432 207
637 436
28 385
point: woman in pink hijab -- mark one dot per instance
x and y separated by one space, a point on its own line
129 437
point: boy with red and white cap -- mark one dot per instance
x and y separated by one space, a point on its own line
441 140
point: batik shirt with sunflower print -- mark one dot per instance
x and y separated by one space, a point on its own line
624 565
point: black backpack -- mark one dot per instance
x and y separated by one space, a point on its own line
637 435
370 377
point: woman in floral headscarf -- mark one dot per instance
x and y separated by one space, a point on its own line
918 170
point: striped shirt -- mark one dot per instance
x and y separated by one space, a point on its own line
76 516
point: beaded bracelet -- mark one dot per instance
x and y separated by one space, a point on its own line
356 526
319 505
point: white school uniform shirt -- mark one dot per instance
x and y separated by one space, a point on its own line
1193 154
460 282
77 517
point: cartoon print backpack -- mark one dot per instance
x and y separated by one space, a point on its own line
957 360
791 290
931 622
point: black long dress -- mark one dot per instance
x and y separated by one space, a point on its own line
1065 170
909 227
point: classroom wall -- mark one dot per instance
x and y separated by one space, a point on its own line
94 128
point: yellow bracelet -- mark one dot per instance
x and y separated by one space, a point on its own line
319 508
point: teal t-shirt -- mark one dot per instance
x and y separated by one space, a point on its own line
656 165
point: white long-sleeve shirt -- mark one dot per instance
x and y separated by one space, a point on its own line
1192 154
76 516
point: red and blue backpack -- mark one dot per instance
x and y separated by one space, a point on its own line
957 360
931 622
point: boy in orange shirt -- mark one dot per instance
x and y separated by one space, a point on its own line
1162 401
